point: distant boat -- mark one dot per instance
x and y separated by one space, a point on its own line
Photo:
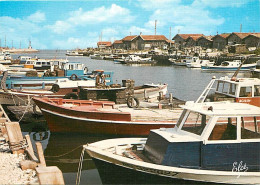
134 59
212 143
96 56
193 62
229 66
100 117
73 53
177 62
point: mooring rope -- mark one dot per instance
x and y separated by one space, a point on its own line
27 107
65 153
80 167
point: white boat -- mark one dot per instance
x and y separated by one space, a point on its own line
96 56
5 58
194 62
176 62
73 53
135 59
230 66
212 143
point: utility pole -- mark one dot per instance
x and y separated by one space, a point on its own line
155 27
170 35
5 41
179 31
12 44
101 37
130 33
20 44
240 28
0 43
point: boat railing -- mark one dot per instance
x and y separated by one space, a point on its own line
204 94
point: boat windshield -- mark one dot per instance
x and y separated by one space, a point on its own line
195 123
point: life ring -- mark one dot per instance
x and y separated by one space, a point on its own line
71 96
55 88
73 77
132 102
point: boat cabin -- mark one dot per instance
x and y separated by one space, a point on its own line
242 90
211 136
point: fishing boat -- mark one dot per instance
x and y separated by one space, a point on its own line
229 66
181 62
101 117
135 59
212 143
149 91
96 56
73 53
241 90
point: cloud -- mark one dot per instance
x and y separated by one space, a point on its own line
111 15
37 17
220 3
155 4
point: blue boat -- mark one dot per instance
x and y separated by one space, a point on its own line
71 70
212 143
229 66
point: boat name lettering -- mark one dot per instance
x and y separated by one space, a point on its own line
244 100
239 167
151 170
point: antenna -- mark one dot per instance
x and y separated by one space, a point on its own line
240 28
130 33
179 31
12 44
155 27
5 41
0 43
20 44
101 37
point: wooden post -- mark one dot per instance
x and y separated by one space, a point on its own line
50 175
29 149
170 98
40 154
15 136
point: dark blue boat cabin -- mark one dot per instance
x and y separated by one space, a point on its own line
213 136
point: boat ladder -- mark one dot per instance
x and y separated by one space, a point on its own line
204 94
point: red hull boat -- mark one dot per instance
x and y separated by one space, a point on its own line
95 117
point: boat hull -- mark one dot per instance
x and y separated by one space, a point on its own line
58 122
118 169
221 68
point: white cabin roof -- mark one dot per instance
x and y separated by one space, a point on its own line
241 81
223 108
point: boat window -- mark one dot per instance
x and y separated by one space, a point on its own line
232 89
257 90
195 123
245 92
250 127
71 67
38 63
181 118
222 87
224 129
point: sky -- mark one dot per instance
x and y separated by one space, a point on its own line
80 24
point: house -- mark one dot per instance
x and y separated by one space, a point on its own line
220 41
150 42
192 40
127 42
236 38
104 45
118 44
252 40
205 41
180 39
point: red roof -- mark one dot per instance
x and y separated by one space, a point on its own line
254 34
153 37
206 37
223 35
104 43
170 41
194 37
185 36
129 38
240 35
118 42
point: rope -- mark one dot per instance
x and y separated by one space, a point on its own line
28 105
18 145
80 167
66 152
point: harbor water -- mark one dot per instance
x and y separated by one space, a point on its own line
64 149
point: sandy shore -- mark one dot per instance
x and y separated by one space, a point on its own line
10 170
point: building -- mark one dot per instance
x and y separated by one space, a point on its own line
205 41
180 39
192 40
127 42
118 44
252 40
220 41
236 38
142 42
104 45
